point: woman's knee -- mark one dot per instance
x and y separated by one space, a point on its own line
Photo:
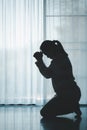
42 112
46 113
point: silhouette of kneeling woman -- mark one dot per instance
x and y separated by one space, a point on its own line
67 91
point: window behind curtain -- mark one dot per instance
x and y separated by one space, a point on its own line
66 21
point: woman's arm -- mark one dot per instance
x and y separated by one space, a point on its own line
45 71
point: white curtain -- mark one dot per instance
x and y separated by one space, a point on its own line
21 33
66 20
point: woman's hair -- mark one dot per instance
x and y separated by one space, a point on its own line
50 46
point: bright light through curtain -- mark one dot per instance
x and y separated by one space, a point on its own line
66 20
21 33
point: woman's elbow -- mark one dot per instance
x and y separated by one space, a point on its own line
47 76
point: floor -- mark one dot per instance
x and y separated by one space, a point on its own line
28 118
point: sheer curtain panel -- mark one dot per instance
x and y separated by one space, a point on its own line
21 32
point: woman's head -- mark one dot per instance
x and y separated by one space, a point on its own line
52 48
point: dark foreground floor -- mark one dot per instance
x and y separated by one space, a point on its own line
28 118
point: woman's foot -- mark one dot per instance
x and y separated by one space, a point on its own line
78 111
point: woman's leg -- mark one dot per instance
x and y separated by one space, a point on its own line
68 102
56 106
73 96
49 109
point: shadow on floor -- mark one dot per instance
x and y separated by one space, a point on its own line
60 124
